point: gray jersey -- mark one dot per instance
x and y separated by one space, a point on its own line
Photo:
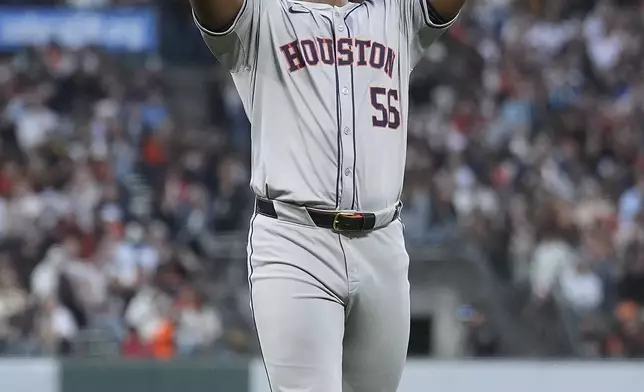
325 89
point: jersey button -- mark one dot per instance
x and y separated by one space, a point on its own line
347 172
345 91
347 131
340 28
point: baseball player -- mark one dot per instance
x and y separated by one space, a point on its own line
325 86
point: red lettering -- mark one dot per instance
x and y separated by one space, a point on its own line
389 64
345 50
293 56
326 50
362 51
377 55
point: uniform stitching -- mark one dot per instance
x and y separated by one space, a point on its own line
338 114
230 30
346 271
337 297
364 3
252 306
353 104
432 18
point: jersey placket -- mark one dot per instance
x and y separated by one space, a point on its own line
346 112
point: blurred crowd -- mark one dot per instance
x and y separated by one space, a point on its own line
104 203
531 135
103 200
524 132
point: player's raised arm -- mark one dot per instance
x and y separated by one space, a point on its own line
436 15
229 27
445 10
423 21
217 15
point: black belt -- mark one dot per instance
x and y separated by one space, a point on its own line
334 220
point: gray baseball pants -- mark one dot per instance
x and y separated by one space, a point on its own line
331 310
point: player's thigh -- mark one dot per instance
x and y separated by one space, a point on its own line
299 318
300 333
376 345
377 327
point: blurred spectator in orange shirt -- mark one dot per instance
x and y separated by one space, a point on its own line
163 345
627 340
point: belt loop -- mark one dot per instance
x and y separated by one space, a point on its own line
265 207
398 211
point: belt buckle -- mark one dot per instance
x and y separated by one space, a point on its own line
339 227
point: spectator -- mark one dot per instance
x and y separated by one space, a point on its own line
57 327
46 276
631 285
163 341
483 340
34 122
581 288
134 262
147 311
553 255
133 346
630 203
627 340
13 301
231 201
198 326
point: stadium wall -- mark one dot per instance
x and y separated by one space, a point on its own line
146 376
506 376
29 375
42 375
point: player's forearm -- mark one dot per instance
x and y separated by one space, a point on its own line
216 15
447 9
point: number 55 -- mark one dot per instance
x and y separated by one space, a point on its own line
389 116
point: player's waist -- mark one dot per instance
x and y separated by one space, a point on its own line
338 221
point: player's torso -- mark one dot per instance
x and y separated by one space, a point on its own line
328 104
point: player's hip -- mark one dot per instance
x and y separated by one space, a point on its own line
281 251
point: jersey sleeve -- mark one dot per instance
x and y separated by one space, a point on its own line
421 24
235 47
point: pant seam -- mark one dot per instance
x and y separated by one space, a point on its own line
346 272
252 307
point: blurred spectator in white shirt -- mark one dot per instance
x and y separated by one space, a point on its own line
630 204
13 299
147 311
86 193
57 327
582 288
34 122
45 277
25 208
198 324
552 257
134 260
